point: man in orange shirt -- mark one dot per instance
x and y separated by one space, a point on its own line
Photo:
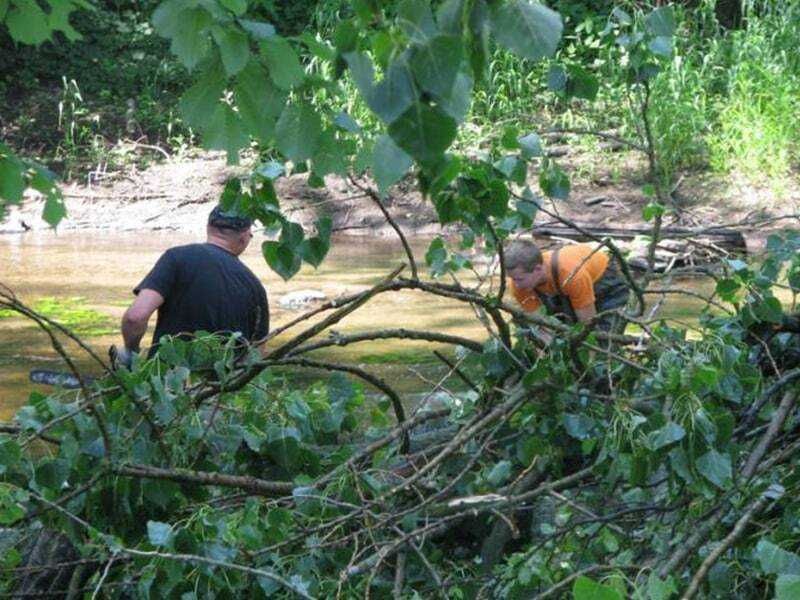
573 283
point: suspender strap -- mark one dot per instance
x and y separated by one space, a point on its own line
554 272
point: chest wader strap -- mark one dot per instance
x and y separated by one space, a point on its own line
558 304
563 301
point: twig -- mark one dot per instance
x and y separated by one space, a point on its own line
723 546
399 575
377 200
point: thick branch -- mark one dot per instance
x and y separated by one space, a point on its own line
260 487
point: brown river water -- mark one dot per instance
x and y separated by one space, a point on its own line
99 270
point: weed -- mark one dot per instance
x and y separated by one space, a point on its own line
73 314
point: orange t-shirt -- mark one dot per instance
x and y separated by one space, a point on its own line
579 268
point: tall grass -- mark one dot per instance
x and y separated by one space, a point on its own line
758 131
728 99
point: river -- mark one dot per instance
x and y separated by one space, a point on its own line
94 272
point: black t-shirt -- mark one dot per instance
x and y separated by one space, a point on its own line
206 288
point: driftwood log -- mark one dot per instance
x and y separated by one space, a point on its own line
677 246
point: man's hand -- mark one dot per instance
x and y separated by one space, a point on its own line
121 357
586 314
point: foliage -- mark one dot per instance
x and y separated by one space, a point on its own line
216 484
622 467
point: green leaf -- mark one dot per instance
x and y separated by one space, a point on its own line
529 30
345 37
298 131
282 259
234 48
416 19
572 82
661 45
787 587
458 102
27 23
10 455
668 434
271 170
225 132
52 474
258 100
329 156
12 183
424 132
346 122
716 468
11 509
389 163
658 589
284 66
448 16
557 78
436 256
291 234
531 146
314 250
436 64
318 48
581 83
237 7
190 39
774 560
58 20
159 533
727 289
513 168
621 16
393 94
769 309
588 589
578 426
54 209
704 376
258 29
554 182
500 473
661 22
652 210
167 17
199 102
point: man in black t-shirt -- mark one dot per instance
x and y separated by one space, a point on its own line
200 287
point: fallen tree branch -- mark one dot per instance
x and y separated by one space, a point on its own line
260 487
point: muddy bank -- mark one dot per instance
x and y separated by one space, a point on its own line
177 195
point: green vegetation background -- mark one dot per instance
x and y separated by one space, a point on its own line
725 103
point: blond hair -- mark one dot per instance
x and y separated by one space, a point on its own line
522 253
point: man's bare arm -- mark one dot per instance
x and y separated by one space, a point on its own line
586 314
134 321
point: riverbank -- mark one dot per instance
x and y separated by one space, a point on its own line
177 194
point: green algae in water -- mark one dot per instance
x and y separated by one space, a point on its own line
73 314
